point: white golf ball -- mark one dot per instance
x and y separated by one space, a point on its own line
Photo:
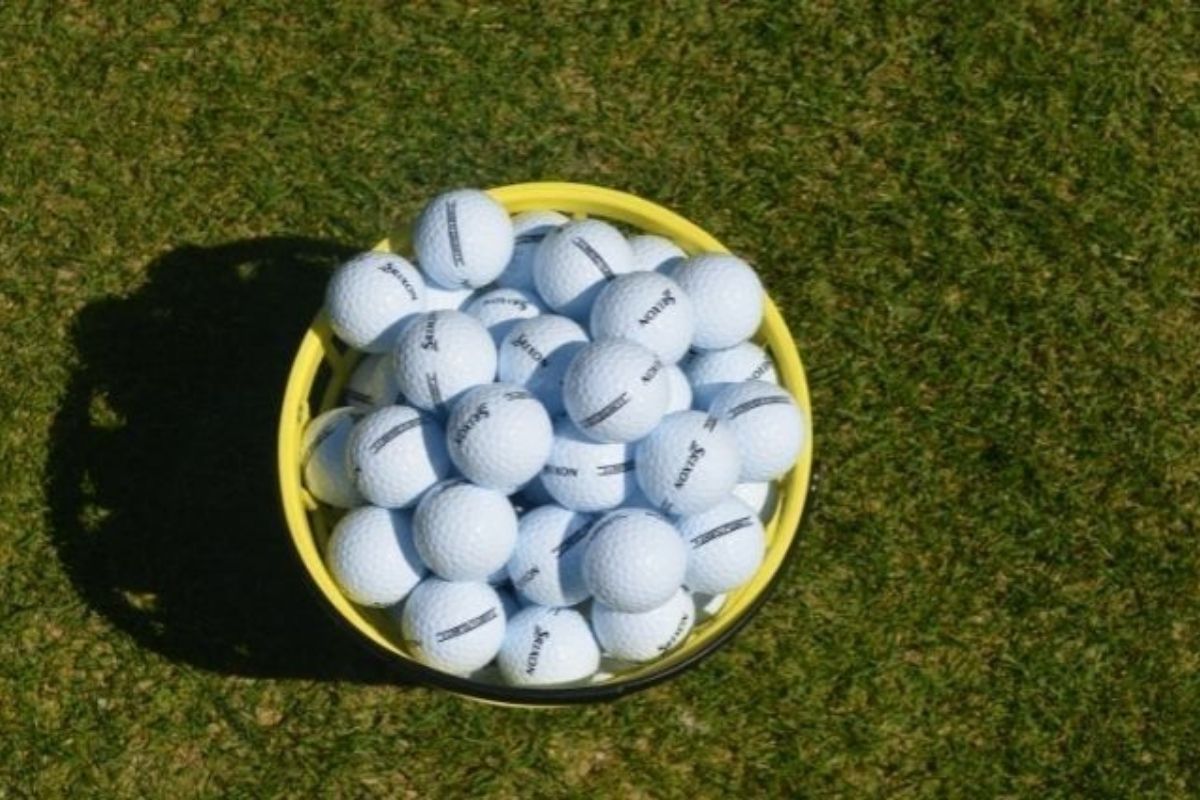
500 309
464 532
463 238
635 560
371 298
438 298
615 391
646 308
530 228
575 261
373 384
323 458
441 355
645 635
546 566
586 475
761 496
710 371
395 453
655 253
688 464
455 627
727 295
546 647
536 353
371 556
768 424
679 391
499 436
725 546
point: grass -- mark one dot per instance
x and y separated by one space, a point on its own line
981 223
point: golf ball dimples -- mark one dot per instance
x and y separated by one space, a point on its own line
725 546
536 354
373 384
395 453
441 355
546 566
635 560
727 295
615 391
655 253
371 298
500 309
499 436
324 458
646 308
679 391
456 627
710 371
768 425
464 532
372 557
585 475
646 635
529 228
463 238
575 261
547 646
688 464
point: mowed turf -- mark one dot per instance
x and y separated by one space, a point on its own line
983 227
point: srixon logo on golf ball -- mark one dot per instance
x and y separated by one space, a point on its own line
540 635
695 453
429 335
666 300
655 368
480 413
685 623
527 347
389 268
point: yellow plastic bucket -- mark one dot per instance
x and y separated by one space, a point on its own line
323 364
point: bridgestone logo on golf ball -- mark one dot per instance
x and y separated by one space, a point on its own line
684 621
667 299
575 538
758 402
519 394
561 472
480 413
649 374
394 271
391 434
594 257
324 434
506 301
525 346
695 453
613 407
452 229
719 531
527 577
468 626
760 370
607 470
540 635
429 335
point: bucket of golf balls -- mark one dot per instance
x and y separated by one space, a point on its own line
549 445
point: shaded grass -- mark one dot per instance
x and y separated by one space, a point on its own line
982 226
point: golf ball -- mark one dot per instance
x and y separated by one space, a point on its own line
727 295
546 566
455 627
688 464
530 228
547 646
710 371
575 261
615 391
635 560
585 475
646 308
679 391
373 384
323 458
536 352
655 253
645 635
463 238
371 556
500 309
464 532
499 436
769 427
371 298
441 355
395 453
725 546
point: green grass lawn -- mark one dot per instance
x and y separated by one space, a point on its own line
983 227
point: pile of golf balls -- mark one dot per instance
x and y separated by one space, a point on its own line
559 446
